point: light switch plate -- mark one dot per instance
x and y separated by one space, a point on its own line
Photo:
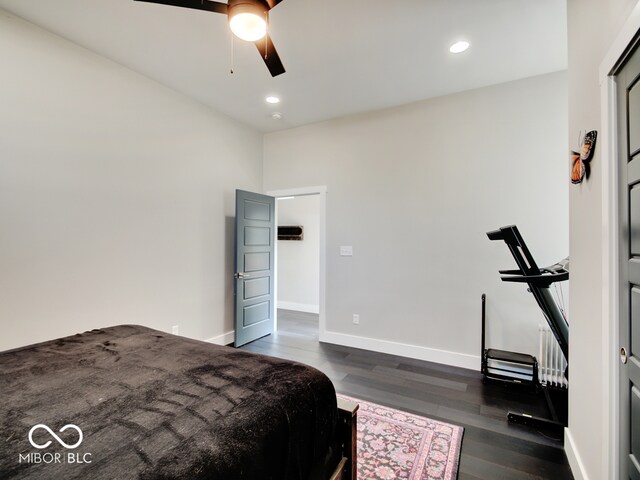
346 251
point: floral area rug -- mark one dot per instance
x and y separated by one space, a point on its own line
399 445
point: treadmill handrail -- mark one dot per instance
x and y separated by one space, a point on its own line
539 280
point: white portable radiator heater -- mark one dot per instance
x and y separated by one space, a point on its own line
551 361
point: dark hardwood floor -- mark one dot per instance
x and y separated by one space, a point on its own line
491 448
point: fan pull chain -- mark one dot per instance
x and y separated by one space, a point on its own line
231 34
266 44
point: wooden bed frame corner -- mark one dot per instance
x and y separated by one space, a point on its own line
347 423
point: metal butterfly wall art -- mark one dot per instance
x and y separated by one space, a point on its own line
580 167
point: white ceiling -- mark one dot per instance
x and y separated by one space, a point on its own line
342 56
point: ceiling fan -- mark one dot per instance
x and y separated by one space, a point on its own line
248 20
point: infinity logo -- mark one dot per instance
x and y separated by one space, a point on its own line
59 440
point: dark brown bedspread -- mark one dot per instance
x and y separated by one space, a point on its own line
156 406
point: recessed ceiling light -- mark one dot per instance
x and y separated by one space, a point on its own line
459 47
272 99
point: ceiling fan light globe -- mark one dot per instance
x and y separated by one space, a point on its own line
248 26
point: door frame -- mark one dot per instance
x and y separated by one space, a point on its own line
610 238
320 190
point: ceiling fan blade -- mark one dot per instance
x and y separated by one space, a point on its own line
272 3
207 5
270 56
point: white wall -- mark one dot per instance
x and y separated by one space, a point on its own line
116 196
414 189
299 261
592 27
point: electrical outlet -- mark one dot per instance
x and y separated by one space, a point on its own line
356 319
175 329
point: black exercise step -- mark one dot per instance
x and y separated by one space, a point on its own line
513 357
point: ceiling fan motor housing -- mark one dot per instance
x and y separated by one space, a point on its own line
257 7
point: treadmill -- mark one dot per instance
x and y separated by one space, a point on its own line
538 281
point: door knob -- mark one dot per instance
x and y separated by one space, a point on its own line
623 355
241 275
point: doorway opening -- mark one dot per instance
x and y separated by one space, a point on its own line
300 261
298 264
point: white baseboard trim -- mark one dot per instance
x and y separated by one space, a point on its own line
298 307
575 462
224 339
462 360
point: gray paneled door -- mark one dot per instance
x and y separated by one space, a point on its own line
628 102
254 266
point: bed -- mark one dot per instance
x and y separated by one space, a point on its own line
132 402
